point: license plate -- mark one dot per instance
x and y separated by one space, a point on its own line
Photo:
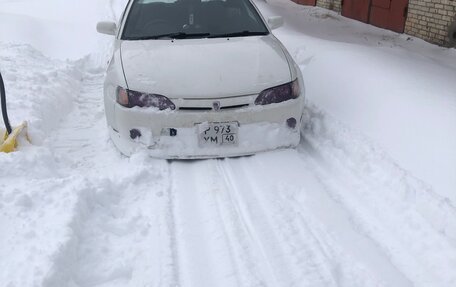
218 134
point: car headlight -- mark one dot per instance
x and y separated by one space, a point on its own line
279 94
129 99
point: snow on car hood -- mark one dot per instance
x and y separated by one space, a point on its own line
205 68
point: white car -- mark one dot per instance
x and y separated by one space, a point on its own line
200 79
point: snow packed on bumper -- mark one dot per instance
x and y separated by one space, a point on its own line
252 138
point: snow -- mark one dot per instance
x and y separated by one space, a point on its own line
43 105
398 90
367 198
59 29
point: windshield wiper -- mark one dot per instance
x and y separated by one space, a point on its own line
177 35
239 34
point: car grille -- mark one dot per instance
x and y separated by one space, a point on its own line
210 108
201 105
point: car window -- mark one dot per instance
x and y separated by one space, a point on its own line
193 18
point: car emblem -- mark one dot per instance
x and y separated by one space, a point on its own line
216 106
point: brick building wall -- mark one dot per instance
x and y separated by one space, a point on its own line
431 20
335 5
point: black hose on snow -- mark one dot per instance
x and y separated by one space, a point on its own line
3 104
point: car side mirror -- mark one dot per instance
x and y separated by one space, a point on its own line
108 28
275 22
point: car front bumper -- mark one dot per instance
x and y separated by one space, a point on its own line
261 128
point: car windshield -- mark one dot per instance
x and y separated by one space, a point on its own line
181 19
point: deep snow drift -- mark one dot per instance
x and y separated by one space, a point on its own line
361 202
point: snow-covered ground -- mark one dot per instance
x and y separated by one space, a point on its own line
396 89
367 199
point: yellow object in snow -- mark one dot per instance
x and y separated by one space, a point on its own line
8 142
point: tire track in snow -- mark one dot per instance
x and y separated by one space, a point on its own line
170 248
293 261
403 217
251 264
315 232
211 245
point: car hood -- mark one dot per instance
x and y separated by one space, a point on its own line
204 68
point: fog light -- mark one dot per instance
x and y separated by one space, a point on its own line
134 134
291 123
